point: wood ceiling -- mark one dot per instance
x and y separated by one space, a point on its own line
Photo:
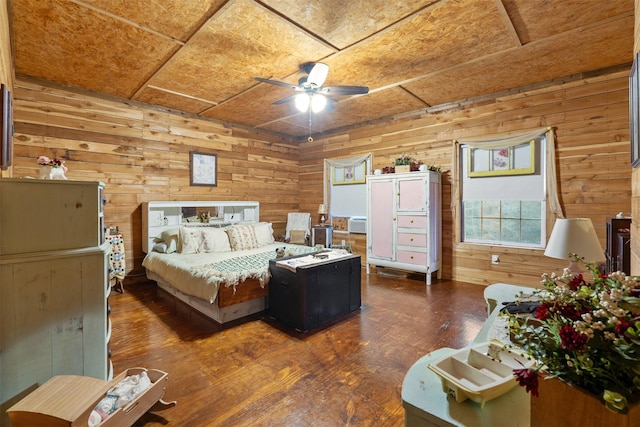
200 56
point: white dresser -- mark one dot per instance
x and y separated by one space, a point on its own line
54 316
404 222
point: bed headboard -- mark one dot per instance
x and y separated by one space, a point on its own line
160 216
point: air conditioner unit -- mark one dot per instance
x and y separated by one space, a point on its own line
358 225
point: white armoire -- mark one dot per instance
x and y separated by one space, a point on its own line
54 290
404 222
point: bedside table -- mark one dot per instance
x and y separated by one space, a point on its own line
321 234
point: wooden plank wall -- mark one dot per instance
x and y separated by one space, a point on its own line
142 154
635 179
6 62
592 135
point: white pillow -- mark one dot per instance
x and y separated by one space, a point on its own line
213 239
264 233
242 237
190 239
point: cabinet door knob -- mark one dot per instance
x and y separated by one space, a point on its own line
393 218
411 221
411 239
411 257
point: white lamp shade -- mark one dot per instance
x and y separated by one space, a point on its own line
574 236
318 102
302 102
322 209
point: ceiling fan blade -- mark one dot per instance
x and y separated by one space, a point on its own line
318 74
285 100
276 82
346 90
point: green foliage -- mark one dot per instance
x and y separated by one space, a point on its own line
586 333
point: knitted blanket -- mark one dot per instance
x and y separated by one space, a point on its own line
232 271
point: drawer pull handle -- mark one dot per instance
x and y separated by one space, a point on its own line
411 257
411 239
411 221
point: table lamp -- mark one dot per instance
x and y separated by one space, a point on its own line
322 210
574 236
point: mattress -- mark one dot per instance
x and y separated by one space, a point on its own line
201 275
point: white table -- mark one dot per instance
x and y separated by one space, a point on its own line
497 293
426 404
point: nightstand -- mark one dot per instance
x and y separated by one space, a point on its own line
321 234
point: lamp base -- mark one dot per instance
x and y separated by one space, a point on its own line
576 267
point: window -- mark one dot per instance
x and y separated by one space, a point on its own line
503 194
346 186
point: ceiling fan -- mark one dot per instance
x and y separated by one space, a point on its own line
312 93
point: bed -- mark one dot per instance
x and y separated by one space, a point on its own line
223 272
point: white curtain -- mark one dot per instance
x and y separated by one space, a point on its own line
505 141
351 161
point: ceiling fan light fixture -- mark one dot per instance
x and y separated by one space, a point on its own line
318 102
302 102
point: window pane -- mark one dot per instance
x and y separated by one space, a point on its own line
473 208
531 231
491 229
511 209
491 209
511 230
472 228
531 210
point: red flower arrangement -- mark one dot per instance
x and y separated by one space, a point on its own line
54 163
584 333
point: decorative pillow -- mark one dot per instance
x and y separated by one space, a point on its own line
189 240
242 237
298 237
170 238
264 233
214 240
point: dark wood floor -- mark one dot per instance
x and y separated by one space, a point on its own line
255 373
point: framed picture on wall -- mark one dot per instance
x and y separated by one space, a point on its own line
355 174
203 169
6 128
634 111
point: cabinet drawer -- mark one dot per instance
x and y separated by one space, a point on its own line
410 257
412 221
410 239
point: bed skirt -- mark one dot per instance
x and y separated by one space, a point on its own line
249 298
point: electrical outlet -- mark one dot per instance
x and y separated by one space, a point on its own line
495 259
